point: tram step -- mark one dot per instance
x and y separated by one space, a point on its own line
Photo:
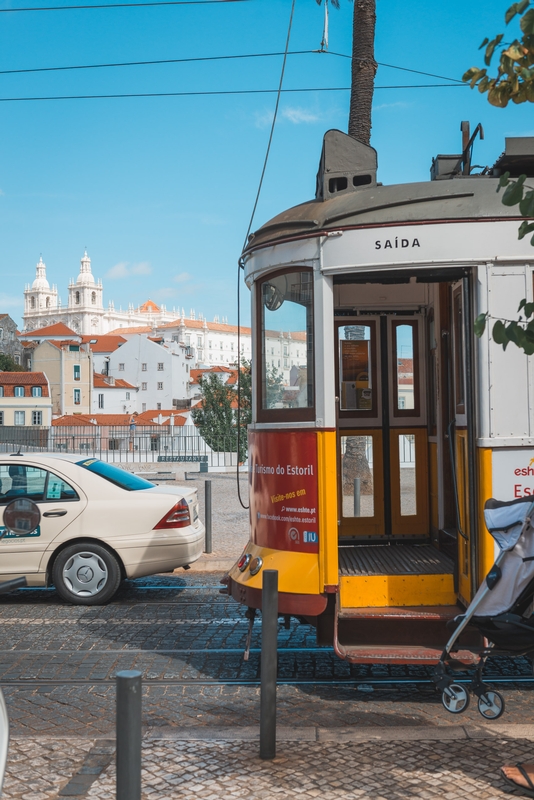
404 626
394 654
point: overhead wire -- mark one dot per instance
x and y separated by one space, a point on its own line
240 265
121 5
215 93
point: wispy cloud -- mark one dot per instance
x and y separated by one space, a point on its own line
125 270
294 114
398 104
164 292
2 193
299 116
182 277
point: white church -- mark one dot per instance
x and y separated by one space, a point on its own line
84 312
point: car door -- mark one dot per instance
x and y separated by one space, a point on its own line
59 501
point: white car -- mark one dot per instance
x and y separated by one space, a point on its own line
99 525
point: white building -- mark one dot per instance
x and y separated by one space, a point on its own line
84 312
160 371
113 395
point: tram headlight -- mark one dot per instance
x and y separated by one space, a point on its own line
255 565
243 562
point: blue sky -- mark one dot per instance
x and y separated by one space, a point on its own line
160 190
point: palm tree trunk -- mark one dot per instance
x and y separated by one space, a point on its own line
364 69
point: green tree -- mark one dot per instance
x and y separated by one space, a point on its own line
217 420
514 80
8 364
364 68
274 386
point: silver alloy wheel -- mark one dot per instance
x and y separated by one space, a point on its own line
85 574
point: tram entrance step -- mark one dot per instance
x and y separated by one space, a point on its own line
394 654
396 559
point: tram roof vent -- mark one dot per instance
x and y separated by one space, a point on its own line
518 157
346 165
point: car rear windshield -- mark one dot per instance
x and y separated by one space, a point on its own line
132 483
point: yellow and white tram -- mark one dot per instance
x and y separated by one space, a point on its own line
380 423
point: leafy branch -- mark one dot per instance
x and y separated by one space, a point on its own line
520 332
514 79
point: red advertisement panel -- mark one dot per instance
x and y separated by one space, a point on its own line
283 496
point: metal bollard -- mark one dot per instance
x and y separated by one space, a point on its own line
207 517
357 491
129 735
269 663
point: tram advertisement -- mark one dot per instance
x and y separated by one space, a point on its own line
283 484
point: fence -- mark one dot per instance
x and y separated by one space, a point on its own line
120 444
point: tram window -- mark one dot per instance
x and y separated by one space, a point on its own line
406 378
286 312
408 494
355 378
357 476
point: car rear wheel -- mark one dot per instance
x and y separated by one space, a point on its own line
86 574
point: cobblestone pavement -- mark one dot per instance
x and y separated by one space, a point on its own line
210 770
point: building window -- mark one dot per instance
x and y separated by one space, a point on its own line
20 417
37 417
121 367
221 345
231 345
160 366
77 372
93 298
48 302
32 303
158 406
210 344
19 391
1 417
127 395
37 391
199 341
77 298
77 397
143 407
1 391
143 367
160 386
143 387
101 401
17 359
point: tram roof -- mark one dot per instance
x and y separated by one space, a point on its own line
458 197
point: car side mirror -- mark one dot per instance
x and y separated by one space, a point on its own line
21 517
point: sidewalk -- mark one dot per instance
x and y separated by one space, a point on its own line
454 763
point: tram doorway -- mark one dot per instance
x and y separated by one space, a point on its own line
383 441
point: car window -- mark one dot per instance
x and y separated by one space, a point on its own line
58 489
19 480
126 480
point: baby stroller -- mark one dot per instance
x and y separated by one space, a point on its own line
501 610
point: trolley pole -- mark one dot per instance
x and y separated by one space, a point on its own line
269 663
207 517
129 735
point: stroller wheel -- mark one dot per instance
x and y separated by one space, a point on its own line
491 705
455 698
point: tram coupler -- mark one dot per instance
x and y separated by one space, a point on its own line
250 614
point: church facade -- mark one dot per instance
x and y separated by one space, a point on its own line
85 312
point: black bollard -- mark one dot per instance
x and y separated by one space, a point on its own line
129 735
269 663
207 517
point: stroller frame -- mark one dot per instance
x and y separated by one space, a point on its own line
455 695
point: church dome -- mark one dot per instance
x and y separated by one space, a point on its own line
40 281
86 276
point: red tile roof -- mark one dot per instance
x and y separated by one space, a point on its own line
8 381
135 329
100 382
59 329
117 420
149 305
104 344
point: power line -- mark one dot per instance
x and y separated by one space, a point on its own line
211 58
229 92
123 5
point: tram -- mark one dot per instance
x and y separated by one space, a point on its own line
380 423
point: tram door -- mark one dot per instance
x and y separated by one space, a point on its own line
382 431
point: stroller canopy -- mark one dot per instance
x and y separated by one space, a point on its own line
505 520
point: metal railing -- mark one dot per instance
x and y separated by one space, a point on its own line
119 444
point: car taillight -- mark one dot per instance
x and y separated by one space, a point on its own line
178 517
